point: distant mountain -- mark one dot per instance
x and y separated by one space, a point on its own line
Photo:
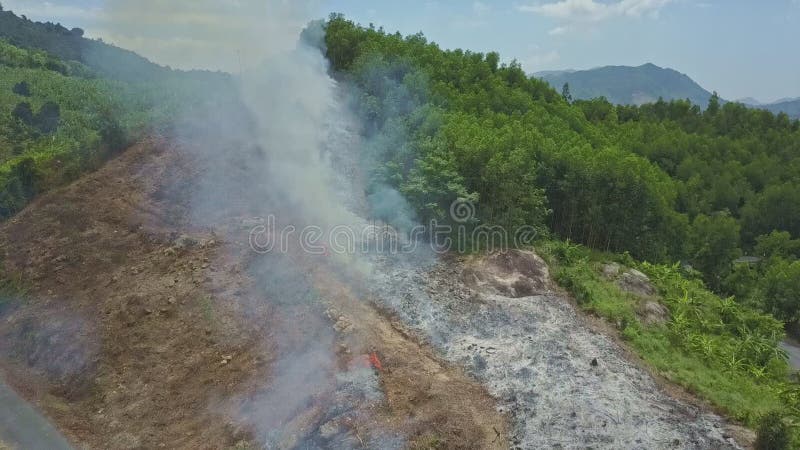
750 101
645 84
628 85
554 73
790 107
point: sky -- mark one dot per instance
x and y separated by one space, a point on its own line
740 48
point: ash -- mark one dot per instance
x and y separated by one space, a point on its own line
562 384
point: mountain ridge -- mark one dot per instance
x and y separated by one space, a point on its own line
628 84
637 85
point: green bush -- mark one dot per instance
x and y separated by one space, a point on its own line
772 433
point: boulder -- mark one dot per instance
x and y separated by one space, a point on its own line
653 313
184 241
611 270
510 273
637 283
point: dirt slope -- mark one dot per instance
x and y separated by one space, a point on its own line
115 341
141 331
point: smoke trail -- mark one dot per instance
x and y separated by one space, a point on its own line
267 143
224 35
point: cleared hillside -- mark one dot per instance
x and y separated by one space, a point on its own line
132 328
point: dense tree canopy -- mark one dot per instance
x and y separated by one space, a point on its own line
667 181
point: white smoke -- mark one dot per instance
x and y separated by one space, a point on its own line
265 148
293 102
228 35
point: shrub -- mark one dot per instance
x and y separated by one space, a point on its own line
48 117
22 88
23 112
773 433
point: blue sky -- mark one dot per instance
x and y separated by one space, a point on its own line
739 48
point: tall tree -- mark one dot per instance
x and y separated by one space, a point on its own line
565 94
713 104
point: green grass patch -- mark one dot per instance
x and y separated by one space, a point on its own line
718 349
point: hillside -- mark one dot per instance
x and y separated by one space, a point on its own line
373 242
104 60
51 111
625 85
132 308
70 45
62 117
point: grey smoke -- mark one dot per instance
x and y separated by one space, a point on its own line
280 137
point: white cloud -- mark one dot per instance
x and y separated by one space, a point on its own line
480 7
557 31
538 59
52 12
595 11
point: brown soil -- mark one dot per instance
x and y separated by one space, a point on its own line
435 401
133 331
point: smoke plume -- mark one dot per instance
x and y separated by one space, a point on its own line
278 139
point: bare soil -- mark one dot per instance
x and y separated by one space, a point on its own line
139 330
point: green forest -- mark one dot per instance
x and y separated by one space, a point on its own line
666 182
708 195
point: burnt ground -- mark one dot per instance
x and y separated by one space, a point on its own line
563 378
138 329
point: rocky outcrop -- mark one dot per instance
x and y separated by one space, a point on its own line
511 273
